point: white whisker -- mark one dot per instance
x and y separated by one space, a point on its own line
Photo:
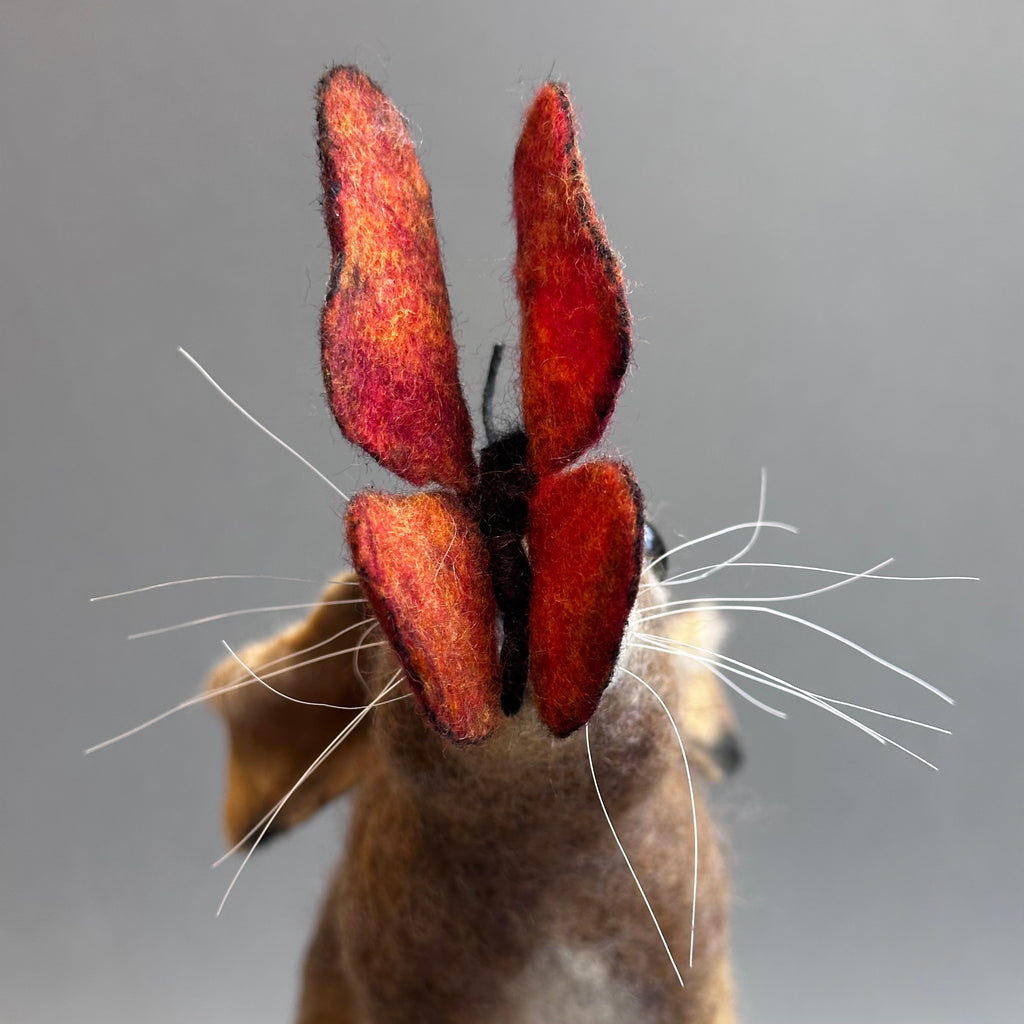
199 698
290 668
312 647
328 750
266 430
240 611
357 670
320 758
713 601
284 669
208 579
237 684
853 645
693 802
683 578
885 714
736 688
758 524
759 675
625 857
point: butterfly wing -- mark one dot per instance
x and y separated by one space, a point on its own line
389 358
423 566
575 321
586 551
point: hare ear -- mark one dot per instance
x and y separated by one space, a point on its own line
388 354
273 740
575 321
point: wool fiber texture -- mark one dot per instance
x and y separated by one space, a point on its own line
423 566
575 322
545 555
389 358
586 548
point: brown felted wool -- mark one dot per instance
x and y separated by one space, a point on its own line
575 321
423 566
480 881
389 359
586 549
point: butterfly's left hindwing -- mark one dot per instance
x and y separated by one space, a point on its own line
424 569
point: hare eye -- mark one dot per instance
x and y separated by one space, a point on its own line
655 551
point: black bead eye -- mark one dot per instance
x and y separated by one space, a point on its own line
655 552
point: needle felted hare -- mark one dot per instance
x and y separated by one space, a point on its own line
482 683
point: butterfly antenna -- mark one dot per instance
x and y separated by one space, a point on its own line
492 380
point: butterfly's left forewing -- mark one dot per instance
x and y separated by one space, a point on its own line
388 354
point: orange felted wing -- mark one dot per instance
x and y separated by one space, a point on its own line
575 321
586 550
423 566
389 359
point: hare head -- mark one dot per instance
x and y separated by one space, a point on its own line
480 681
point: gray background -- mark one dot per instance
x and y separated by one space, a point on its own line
819 210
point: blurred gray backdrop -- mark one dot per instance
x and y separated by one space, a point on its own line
819 209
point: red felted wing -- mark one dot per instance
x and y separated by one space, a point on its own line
389 359
586 550
575 321
423 566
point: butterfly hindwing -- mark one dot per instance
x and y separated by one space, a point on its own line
586 552
423 566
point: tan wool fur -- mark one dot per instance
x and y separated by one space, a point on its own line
481 882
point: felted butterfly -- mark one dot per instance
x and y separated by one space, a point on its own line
519 565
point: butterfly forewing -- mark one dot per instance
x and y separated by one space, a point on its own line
575 321
388 354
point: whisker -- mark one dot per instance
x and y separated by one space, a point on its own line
693 802
239 611
885 714
362 645
357 670
208 579
290 668
266 430
736 688
683 578
818 628
625 857
759 675
319 643
236 685
317 761
713 601
757 525
328 750
796 691
198 698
